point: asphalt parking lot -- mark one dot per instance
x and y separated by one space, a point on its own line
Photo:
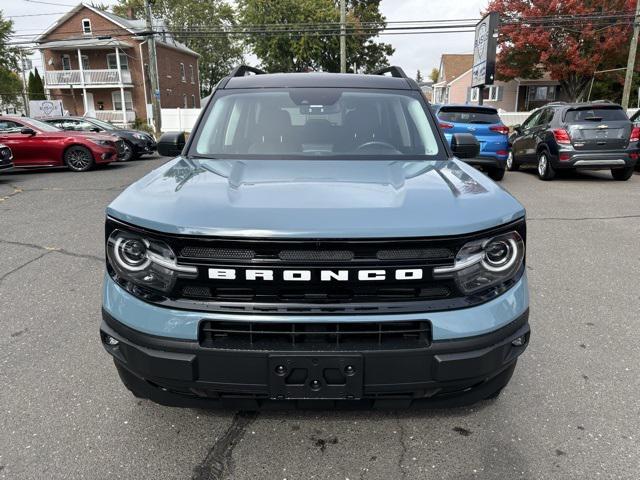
572 409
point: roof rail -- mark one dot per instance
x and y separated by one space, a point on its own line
600 101
241 71
394 71
555 103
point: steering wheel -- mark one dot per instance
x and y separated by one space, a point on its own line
367 146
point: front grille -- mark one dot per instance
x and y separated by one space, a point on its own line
315 276
314 336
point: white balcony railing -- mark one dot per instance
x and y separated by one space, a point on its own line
65 78
115 116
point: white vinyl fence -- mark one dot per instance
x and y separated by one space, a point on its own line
183 119
179 119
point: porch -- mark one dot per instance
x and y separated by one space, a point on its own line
89 78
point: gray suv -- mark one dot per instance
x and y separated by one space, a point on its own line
590 136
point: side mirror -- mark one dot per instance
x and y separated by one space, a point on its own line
171 144
95 129
27 131
464 145
517 128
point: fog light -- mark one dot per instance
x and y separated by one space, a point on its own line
520 341
109 340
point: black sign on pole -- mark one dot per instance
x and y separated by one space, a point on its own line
484 52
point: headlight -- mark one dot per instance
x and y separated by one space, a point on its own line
99 141
145 262
485 263
140 136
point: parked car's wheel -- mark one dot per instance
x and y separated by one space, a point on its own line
622 173
79 159
512 166
496 173
127 152
545 170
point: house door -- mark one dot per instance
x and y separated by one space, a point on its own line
91 108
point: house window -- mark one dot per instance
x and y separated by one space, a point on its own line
192 74
112 62
117 100
542 93
184 101
86 26
193 101
183 76
85 62
490 94
66 62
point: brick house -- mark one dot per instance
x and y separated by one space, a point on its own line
97 63
518 95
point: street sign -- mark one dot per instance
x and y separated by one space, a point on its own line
484 51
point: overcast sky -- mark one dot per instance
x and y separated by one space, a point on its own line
413 52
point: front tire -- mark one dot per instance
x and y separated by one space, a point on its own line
496 173
128 152
545 170
622 174
512 166
79 158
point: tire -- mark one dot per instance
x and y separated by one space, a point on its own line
79 158
128 152
545 170
496 173
512 166
622 174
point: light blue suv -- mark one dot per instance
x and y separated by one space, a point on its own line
315 240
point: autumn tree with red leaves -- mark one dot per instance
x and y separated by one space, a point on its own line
538 36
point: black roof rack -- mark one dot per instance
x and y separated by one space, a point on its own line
394 71
241 71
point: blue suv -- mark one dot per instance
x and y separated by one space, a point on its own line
315 239
485 124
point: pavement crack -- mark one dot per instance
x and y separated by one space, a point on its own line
49 249
16 191
219 458
578 219
20 267
403 448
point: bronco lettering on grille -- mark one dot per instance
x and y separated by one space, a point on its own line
322 275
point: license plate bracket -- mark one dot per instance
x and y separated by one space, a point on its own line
316 376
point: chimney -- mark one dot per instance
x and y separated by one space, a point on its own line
131 13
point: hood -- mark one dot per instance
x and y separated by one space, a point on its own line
315 199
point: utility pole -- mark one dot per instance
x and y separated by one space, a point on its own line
153 70
631 61
343 36
24 84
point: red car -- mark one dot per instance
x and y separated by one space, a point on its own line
38 144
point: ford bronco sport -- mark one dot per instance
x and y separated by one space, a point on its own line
315 240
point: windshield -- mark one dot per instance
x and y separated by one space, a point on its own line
100 123
45 127
316 122
468 115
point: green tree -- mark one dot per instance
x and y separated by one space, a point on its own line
311 40
435 73
10 83
189 21
419 77
35 87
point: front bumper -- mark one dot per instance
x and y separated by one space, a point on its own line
141 147
442 373
103 155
